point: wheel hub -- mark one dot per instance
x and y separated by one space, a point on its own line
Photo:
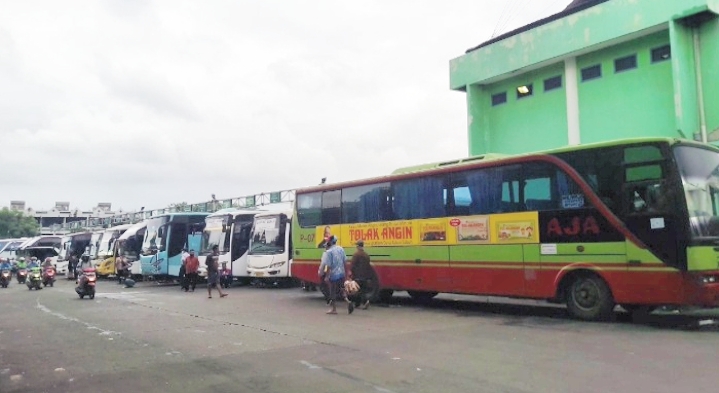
586 294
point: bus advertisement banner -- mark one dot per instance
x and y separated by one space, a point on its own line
495 229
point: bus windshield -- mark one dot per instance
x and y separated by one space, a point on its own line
267 236
154 236
215 234
699 169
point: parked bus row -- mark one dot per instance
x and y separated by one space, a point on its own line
631 222
252 243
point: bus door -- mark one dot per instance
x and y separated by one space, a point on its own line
177 240
194 237
649 210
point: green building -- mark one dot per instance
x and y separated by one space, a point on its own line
599 70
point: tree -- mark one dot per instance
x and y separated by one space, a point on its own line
14 224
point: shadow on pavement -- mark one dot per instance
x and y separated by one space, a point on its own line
521 313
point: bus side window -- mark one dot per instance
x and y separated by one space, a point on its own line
309 209
419 198
492 190
331 207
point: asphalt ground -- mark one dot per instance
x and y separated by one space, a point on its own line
155 338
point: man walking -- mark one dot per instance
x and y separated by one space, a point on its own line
213 277
120 267
192 264
360 270
333 266
182 275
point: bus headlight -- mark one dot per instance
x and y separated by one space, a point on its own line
710 279
275 265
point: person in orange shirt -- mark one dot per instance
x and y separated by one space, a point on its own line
192 264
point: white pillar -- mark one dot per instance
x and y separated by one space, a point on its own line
572 91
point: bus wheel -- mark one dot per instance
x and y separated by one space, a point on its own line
589 298
422 297
385 295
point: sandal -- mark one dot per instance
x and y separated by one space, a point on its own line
223 295
209 297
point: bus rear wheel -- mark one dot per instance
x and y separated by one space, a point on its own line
589 298
421 296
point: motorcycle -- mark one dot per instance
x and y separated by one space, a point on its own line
86 283
21 275
34 279
48 277
5 278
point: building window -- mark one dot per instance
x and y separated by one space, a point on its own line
553 83
625 63
524 91
593 72
661 54
499 98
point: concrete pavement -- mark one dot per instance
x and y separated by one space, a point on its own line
158 339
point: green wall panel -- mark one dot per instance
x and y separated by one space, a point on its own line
634 103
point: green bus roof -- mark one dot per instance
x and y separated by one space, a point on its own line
500 157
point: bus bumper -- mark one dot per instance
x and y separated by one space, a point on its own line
702 289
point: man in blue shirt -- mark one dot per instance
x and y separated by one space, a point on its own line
5 265
333 268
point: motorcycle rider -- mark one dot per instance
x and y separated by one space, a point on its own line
82 279
5 265
33 263
19 265
84 262
47 265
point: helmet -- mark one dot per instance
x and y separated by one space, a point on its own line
48 259
33 259
21 259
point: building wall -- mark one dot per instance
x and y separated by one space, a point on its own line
655 98
523 124
709 44
637 102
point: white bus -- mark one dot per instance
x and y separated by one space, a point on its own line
95 240
229 229
106 245
41 247
270 254
129 245
8 247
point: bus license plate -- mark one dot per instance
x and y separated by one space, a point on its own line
259 274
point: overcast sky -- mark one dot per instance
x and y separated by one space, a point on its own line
148 103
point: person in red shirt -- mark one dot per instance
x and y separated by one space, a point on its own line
192 264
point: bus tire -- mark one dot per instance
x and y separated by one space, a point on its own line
422 296
589 298
385 295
